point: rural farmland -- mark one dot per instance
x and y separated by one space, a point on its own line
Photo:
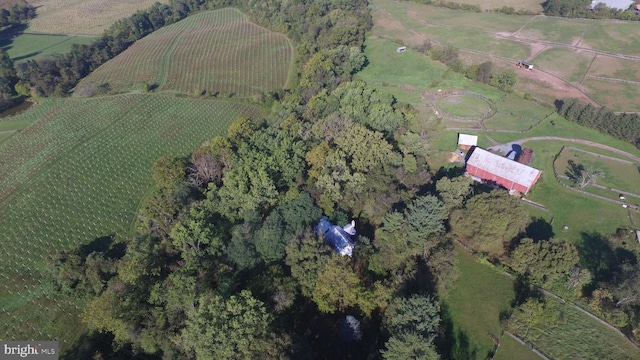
215 52
274 179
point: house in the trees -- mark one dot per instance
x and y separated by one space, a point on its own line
466 142
493 169
338 237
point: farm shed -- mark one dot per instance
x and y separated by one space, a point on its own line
401 49
509 174
613 4
465 142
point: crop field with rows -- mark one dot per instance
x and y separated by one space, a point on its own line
79 174
215 52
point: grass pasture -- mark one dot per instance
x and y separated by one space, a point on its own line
32 46
616 37
529 5
621 175
480 295
411 13
87 17
215 51
573 335
510 349
564 63
617 96
463 106
91 168
616 68
554 29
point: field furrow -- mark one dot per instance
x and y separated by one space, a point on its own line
215 51
91 190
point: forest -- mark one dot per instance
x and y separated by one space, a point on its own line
225 261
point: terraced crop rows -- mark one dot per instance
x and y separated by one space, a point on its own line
91 190
215 51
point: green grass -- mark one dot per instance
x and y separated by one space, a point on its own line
218 52
511 349
80 173
565 63
562 30
573 335
614 36
34 46
530 5
407 11
480 295
617 96
386 66
464 106
515 113
617 174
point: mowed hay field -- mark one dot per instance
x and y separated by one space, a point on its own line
215 51
78 174
86 17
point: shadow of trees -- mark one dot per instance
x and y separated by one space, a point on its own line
454 343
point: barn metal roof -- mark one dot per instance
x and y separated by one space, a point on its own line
503 167
470 140
614 4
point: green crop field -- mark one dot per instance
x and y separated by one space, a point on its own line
565 63
573 335
215 51
480 295
88 17
80 173
32 46
562 30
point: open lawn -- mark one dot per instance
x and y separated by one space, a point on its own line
411 68
571 335
33 46
617 37
481 295
511 349
89 17
565 63
561 30
458 28
463 106
217 52
617 96
410 12
77 174
617 68
530 5
620 175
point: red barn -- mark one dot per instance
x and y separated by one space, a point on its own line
506 173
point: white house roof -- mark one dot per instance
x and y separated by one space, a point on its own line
503 167
470 140
614 4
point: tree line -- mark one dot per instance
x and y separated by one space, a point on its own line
624 126
582 9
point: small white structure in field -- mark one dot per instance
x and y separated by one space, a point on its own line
401 49
465 141
638 235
